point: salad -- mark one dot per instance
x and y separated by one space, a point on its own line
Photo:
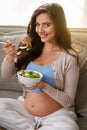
29 74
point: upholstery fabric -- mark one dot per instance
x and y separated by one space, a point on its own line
79 43
81 96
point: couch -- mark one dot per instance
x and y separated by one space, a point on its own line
10 87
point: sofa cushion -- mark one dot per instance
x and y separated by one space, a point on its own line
79 34
14 37
82 122
10 93
81 96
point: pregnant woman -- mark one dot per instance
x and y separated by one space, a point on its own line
49 104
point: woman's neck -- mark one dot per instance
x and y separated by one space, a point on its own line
48 47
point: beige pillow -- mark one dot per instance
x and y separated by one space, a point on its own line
81 96
14 37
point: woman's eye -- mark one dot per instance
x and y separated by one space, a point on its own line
46 25
37 24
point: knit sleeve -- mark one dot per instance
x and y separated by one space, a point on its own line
66 96
7 69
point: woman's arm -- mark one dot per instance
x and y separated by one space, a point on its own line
66 97
8 69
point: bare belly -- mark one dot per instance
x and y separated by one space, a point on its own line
40 104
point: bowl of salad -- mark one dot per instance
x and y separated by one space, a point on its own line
29 77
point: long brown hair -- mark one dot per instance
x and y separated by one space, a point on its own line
63 37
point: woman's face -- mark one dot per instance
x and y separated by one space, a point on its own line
45 28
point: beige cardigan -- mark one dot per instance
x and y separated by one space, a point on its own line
66 74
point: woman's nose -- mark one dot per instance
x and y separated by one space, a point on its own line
41 29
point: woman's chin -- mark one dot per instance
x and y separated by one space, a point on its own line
43 40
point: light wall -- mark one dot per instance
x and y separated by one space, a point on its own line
18 12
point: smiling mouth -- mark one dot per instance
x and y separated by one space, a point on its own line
43 36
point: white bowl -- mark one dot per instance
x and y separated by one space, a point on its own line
29 82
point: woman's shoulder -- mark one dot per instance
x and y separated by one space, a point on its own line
66 57
70 54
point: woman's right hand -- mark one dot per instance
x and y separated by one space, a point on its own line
10 50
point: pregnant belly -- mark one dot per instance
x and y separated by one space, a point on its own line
40 104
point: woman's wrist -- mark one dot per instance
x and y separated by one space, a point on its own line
10 58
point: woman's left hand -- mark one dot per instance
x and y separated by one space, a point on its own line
41 85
